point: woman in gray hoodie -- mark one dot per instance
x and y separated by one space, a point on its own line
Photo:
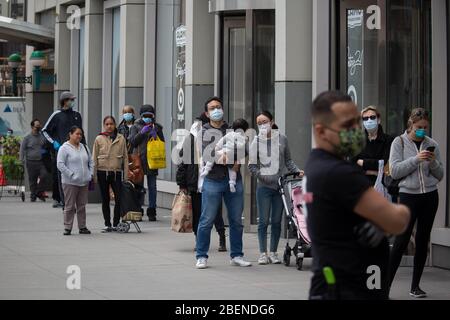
415 160
270 158
77 170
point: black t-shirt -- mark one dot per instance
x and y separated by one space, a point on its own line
337 186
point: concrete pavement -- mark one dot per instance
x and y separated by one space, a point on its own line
157 264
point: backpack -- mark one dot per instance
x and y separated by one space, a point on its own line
390 183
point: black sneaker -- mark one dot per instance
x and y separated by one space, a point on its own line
418 293
67 232
85 231
107 229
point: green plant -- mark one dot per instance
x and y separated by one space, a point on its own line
10 146
12 167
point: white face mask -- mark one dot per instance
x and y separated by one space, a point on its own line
264 129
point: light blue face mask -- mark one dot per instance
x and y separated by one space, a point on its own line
216 115
370 125
128 117
147 120
420 133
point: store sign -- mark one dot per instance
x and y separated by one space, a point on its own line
12 117
180 40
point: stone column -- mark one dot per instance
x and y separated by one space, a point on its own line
93 57
62 53
149 52
293 74
131 83
200 54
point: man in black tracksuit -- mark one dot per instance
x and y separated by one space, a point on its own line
56 131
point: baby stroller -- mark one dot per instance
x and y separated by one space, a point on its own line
292 186
131 199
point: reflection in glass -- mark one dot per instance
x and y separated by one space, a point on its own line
409 60
237 74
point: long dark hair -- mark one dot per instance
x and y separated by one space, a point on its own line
267 114
109 117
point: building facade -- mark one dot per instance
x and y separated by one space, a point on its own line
255 54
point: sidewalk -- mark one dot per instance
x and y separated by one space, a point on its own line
157 264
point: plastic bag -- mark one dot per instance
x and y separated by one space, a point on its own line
379 182
156 154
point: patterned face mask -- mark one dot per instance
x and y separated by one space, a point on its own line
352 142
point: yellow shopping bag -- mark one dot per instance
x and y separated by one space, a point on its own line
156 154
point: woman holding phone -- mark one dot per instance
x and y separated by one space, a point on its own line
415 159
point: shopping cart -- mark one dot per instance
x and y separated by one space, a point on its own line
13 185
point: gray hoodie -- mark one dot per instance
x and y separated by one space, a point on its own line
417 177
76 164
270 158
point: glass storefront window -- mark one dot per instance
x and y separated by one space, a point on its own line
390 66
264 60
409 60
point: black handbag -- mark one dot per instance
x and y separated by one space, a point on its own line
390 183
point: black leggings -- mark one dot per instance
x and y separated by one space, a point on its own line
423 209
113 179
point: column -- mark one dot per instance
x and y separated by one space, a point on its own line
293 74
150 52
131 83
62 53
93 57
200 55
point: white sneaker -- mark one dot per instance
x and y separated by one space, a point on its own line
240 262
263 259
273 258
201 263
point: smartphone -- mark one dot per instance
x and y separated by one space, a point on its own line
431 149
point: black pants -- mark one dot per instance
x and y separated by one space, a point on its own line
36 170
56 195
423 209
197 210
105 180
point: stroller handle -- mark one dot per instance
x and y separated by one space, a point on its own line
282 178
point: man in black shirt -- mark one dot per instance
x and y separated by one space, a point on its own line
347 219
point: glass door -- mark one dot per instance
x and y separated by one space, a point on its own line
234 86
362 52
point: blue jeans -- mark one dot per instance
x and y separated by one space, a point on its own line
270 205
151 182
213 192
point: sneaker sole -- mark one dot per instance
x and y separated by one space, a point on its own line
235 264
201 267
418 296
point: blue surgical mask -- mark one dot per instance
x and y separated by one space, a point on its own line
147 120
420 133
370 125
216 115
128 117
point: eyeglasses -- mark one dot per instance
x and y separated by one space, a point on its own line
371 118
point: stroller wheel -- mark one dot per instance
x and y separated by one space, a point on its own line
121 227
126 228
299 263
